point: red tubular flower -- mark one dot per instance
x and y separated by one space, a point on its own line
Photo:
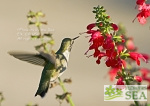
144 12
120 48
96 53
114 63
91 26
130 45
115 27
112 73
140 2
135 56
120 81
144 72
143 15
111 53
146 56
138 78
108 43
100 55
144 7
146 79
90 31
96 39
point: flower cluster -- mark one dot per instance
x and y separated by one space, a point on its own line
144 11
132 49
133 54
104 41
107 41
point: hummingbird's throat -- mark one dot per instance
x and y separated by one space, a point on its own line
66 54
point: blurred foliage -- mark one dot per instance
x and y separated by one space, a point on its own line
1 98
144 104
47 40
63 97
30 104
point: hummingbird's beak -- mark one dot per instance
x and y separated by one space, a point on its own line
75 37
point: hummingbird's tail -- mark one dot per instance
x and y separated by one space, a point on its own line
42 90
44 81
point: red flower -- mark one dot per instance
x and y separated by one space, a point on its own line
113 59
108 43
144 72
100 55
138 78
146 79
115 27
112 73
146 56
130 45
90 31
96 39
143 15
140 2
145 75
111 53
144 6
91 26
135 56
114 63
120 81
144 12
120 48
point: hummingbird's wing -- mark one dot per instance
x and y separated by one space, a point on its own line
37 59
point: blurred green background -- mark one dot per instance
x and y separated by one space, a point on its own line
66 18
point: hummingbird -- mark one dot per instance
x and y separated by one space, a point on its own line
54 64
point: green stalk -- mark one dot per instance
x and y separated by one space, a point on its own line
127 83
41 37
64 90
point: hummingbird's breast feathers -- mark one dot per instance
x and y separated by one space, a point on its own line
61 61
66 55
60 67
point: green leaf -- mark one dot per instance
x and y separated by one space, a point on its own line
51 42
38 24
31 23
38 47
48 35
40 14
33 37
45 23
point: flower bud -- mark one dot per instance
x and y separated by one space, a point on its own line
138 78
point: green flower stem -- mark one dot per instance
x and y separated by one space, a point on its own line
127 83
64 90
42 40
40 34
